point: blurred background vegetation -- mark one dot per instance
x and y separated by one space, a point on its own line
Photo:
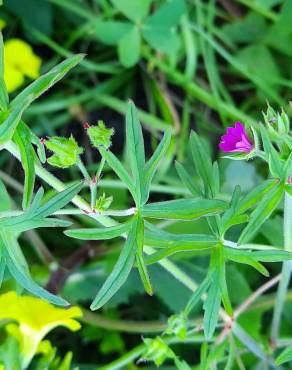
187 65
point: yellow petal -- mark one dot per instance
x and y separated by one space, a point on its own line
20 55
13 78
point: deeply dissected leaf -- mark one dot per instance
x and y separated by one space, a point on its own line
135 146
22 138
120 271
46 81
120 170
152 164
212 306
184 209
142 268
187 180
284 356
101 233
264 209
196 296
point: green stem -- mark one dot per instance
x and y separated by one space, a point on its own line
286 270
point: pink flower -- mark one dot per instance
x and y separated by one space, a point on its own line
235 140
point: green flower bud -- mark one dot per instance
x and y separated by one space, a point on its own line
157 351
99 135
66 151
177 325
103 203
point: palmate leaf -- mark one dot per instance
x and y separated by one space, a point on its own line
15 262
135 148
22 138
264 209
121 270
184 209
32 92
101 233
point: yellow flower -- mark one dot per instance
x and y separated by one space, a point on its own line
35 318
19 62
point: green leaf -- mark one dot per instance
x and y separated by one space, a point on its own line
196 296
129 47
134 10
5 201
223 284
247 260
121 270
284 356
203 165
101 233
142 268
10 123
22 138
166 240
184 209
18 268
212 306
120 170
256 194
135 147
4 100
152 164
271 255
159 28
111 32
187 180
44 82
58 201
264 209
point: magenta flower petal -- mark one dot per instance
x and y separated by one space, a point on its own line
236 140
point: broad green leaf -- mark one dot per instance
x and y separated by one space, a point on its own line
264 209
22 138
284 356
212 306
120 170
121 270
135 147
184 209
129 47
186 179
4 100
163 39
196 296
159 28
256 194
142 268
101 233
111 32
167 15
134 10
46 81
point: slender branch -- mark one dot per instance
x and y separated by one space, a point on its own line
286 270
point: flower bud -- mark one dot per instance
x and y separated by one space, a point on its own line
103 203
65 151
177 325
100 135
157 351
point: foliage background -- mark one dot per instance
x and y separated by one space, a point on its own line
231 57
